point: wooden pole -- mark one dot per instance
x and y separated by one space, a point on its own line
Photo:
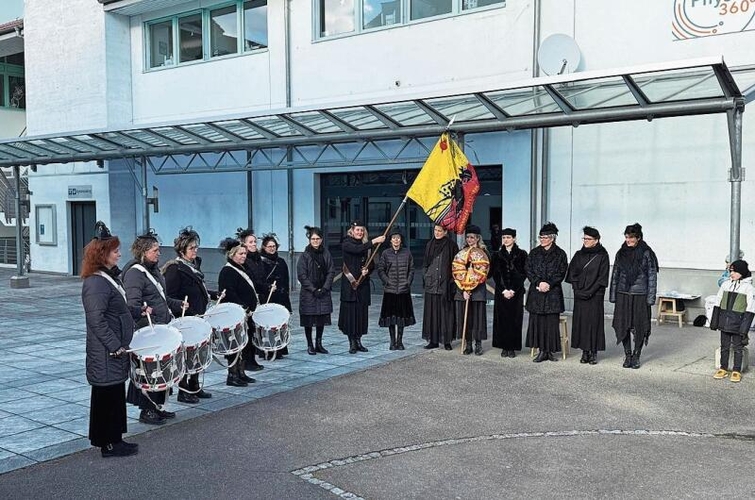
356 284
464 330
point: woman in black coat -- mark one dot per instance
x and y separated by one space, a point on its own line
184 279
546 269
315 271
276 278
396 271
239 289
438 317
507 270
588 275
254 269
633 287
355 294
110 327
145 283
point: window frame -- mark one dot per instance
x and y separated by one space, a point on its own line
456 10
7 71
206 36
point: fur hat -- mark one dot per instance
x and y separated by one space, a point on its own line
509 232
472 229
634 230
591 232
549 229
741 267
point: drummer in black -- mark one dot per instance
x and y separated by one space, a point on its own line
253 267
145 284
276 278
184 279
355 284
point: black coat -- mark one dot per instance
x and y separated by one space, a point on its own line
311 301
182 281
396 270
508 270
436 277
355 255
237 289
110 326
275 270
140 289
549 266
588 273
635 272
256 271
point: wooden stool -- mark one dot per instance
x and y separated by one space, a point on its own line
564 338
667 307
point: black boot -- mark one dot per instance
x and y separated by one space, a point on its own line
585 357
593 358
392 333
627 342
400 339
468 348
431 345
352 345
504 353
551 357
233 378
541 356
478 347
318 344
360 347
310 345
636 357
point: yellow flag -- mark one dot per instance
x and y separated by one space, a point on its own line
435 188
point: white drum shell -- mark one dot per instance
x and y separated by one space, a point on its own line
197 338
228 322
271 331
160 364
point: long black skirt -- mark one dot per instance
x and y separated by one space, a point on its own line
542 332
508 317
477 320
438 319
631 313
353 318
397 310
588 325
107 414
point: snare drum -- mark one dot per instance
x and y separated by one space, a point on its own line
157 360
197 336
228 322
271 331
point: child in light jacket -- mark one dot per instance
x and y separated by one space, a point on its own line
732 316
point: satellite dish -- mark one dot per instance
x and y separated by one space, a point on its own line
559 54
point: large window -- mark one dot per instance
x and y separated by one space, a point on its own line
338 17
207 33
12 86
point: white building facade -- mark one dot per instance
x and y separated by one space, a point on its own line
128 63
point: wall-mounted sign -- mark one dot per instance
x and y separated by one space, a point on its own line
701 18
80 191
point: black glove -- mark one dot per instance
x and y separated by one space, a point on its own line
317 293
118 353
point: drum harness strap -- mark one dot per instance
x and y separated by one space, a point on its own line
198 274
159 287
248 280
115 284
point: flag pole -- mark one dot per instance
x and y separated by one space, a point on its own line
464 330
385 234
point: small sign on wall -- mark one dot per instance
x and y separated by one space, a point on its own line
79 192
703 18
47 231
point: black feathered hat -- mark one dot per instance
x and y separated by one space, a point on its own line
229 244
634 230
313 230
101 232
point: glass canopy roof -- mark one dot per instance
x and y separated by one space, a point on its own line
675 89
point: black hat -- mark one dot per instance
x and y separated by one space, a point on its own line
634 230
149 235
101 232
396 231
548 229
591 232
741 267
229 244
312 230
472 229
509 232
357 223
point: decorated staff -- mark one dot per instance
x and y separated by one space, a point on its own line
470 270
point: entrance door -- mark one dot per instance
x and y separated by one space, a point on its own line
83 219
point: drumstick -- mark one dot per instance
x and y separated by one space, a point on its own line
184 306
220 297
149 318
271 292
142 348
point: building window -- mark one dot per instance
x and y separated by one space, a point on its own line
190 38
223 31
336 17
255 25
161 44
205 34
421 9
16 92
2 91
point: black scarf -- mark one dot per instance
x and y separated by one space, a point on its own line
114 272
629 259
591 250
508 257
435 247
194 266
318 257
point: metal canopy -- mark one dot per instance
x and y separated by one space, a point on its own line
695 87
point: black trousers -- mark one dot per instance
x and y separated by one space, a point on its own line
107 414
735 340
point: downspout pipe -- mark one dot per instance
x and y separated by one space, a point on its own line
534 134
736 176
289 153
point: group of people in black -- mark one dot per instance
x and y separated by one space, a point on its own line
117 303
